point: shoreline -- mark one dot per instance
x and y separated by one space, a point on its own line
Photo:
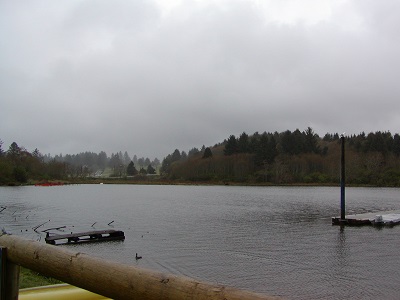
186 183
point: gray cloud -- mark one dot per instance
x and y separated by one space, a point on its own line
124 75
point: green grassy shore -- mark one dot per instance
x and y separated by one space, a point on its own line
29 278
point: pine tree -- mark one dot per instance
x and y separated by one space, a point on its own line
310 141
151 170
131 170
231 146
14 152
207 153
1 148
243 143
396 144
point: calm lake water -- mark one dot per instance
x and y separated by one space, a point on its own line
273 240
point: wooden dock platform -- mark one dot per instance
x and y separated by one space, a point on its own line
85 237
389 218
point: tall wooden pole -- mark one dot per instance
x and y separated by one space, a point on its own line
342 182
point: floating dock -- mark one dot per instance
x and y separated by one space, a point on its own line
390 218
85 237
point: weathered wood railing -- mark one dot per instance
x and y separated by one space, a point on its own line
110 279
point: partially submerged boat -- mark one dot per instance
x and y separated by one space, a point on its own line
85 237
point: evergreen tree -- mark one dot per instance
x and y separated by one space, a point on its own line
396 144
184 155
253 142
231 146
151 170
193 151
243 143
126 159
115 161
14 152
88 159
140 162
265 150
1 148
378 142
102 160
207 153
176 155
298 140
167 162
155 162
292 143
130 169
310 141
287 142
36 154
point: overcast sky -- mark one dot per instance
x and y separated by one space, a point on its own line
148 77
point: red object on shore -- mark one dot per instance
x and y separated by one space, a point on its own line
49 183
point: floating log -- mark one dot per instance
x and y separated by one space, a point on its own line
54 228
36 227
85 237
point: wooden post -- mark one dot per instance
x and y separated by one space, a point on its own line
2 272
110 279
12 281
342 182
9 277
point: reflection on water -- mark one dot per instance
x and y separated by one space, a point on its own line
273 240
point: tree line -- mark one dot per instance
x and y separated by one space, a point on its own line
18 165
291 157
288 157
120 164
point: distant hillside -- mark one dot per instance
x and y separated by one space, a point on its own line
290 158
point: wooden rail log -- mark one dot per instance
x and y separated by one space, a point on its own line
113 280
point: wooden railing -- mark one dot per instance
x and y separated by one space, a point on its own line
110 279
